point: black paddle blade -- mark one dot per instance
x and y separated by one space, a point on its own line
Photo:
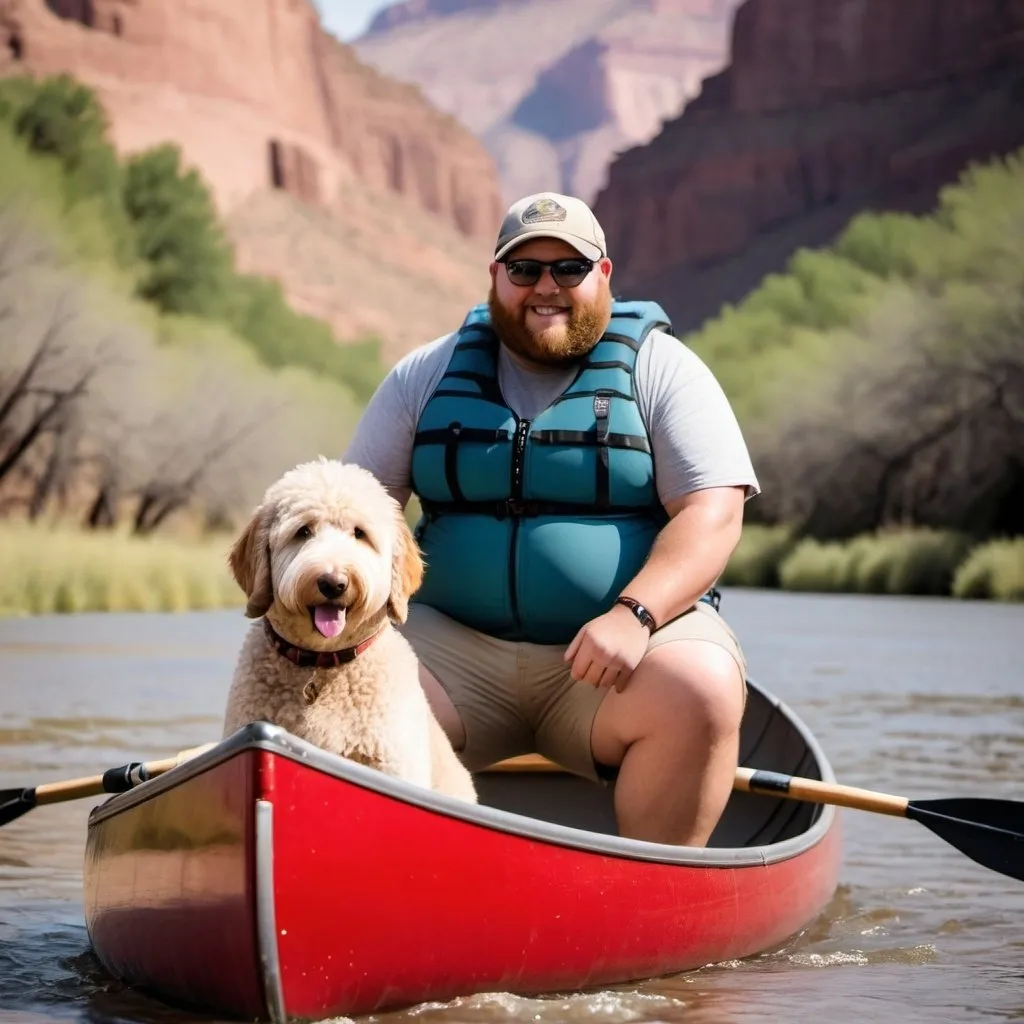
14 803
990 832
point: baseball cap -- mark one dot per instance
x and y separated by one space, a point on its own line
551 215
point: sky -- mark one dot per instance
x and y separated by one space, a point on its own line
348 18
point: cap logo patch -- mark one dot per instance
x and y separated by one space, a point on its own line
544 211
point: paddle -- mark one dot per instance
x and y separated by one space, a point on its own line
990 832
16 802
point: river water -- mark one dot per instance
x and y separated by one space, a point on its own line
924 698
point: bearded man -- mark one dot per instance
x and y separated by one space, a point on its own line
582 478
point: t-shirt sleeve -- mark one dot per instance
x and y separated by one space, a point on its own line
695 438
383 438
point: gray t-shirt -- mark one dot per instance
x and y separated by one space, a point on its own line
695 439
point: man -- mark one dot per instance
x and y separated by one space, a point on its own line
582 478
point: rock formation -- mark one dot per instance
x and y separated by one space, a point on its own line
260 98
828 107
554 87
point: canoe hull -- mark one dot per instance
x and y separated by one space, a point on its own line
339 893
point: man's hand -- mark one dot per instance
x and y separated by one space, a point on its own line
607 649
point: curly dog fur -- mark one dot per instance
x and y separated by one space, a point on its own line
329 561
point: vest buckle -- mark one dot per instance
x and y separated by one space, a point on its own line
517 508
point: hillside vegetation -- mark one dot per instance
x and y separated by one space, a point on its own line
880 382
147 387
141 375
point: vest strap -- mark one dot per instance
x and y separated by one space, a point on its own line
602 486
634 442
443 435
451 461
522 508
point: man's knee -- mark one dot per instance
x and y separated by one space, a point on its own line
690 689
701 680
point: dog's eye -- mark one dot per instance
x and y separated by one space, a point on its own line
359 533
303 533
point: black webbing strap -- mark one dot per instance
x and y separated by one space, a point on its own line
605 364
623 339
480 379
602 486
635 442
523 508
443 435
451 461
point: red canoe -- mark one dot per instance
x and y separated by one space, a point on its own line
267 879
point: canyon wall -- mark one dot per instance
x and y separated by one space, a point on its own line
262 100
258 96
555 88
827 108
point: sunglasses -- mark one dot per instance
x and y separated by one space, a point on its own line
567 273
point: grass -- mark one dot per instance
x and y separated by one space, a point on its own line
894 562
756 560
993 570
47 570
907 561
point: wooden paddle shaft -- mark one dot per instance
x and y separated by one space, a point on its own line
751 780
93 785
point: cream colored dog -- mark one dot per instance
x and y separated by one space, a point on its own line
327 562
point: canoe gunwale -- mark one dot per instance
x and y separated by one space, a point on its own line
273 739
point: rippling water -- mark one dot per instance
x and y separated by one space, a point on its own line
918 697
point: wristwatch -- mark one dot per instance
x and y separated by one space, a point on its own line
644 617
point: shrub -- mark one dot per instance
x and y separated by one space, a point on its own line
992 570
756 560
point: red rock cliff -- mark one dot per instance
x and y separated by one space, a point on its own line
828 107
554 87
258 96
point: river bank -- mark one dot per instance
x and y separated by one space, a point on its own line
46 570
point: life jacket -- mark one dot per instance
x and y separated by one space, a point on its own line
531 528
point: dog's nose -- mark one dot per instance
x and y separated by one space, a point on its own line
332 587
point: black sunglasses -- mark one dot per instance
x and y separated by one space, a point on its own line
568 273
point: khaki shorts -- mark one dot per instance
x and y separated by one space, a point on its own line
518 698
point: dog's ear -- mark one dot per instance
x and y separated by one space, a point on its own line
406 570
250 563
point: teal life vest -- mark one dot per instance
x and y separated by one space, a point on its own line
531 528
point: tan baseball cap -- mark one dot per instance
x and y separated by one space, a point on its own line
551 215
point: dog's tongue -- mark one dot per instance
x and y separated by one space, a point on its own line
328 619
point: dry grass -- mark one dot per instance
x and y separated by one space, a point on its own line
919 561
756 560
47 570
994 570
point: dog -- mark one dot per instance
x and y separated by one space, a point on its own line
328 564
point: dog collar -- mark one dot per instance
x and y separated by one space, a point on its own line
305 658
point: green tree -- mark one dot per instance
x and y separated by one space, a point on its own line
61 119
188 261
283 337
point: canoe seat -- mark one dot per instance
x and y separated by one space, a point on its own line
526 763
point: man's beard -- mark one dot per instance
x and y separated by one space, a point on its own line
556 346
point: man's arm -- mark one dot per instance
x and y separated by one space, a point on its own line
704 477
383 438
690 552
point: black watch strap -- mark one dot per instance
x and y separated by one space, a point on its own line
644 617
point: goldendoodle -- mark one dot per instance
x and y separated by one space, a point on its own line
327 563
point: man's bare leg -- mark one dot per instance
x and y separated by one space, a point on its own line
443 708
674 730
